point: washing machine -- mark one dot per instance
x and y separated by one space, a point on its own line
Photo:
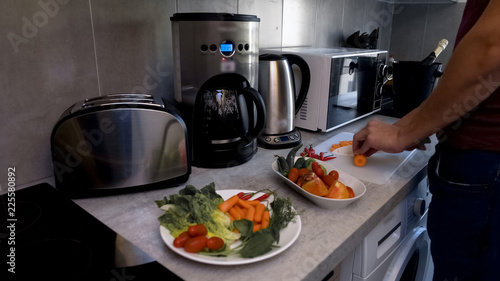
398 248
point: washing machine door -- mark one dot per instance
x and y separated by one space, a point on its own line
411 261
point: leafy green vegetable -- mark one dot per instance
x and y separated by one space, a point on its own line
192 206
283 214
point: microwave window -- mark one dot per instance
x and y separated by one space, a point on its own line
352 85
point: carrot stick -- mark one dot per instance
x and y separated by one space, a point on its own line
244 204
259 210
240 211
253 203
250 213
265 219
228 204
256 227
236 215
231 217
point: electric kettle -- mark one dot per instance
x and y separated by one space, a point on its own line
228 116
277 87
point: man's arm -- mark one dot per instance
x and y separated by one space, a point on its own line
475 59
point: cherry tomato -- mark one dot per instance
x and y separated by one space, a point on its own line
316 168
195 244
215 243
334 174
180 240
197 230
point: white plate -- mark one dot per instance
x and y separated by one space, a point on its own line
288 236
357 186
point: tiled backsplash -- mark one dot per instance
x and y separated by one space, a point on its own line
54 53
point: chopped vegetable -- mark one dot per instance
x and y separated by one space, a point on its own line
192 206
359 160
259 210
215 243
293 175
282 165
290 158
228 204
195 244
197 230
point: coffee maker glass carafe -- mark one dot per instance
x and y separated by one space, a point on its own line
228 115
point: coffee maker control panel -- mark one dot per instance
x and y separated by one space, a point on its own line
227 48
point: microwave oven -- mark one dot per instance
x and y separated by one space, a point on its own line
346 85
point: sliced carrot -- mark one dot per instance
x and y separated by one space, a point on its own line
359 160
344 143
259 210
228 204
236 215
244 204
256 227
231 217
265 219
250 214
335 146
236 230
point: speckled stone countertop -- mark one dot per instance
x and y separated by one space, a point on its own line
326 238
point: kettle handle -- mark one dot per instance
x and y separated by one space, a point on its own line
306 78
255 96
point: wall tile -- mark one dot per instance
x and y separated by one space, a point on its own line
270 14
407 39
354 18
47 64
299 19
379 15
133 46
219 6
330 14
439 27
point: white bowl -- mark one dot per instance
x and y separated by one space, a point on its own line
357 186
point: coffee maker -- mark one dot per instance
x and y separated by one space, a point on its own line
216 60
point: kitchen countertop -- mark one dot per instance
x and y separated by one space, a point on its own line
327 236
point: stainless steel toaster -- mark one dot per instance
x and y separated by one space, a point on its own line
119 143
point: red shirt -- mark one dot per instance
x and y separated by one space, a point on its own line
479 128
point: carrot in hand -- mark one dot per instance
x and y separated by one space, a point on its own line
228 204
359 160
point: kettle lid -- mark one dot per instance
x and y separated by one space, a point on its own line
271 57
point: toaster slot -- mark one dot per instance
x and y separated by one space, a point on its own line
117 100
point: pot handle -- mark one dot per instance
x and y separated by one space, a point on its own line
306 78
255 96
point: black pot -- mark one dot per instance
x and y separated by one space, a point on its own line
413 82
